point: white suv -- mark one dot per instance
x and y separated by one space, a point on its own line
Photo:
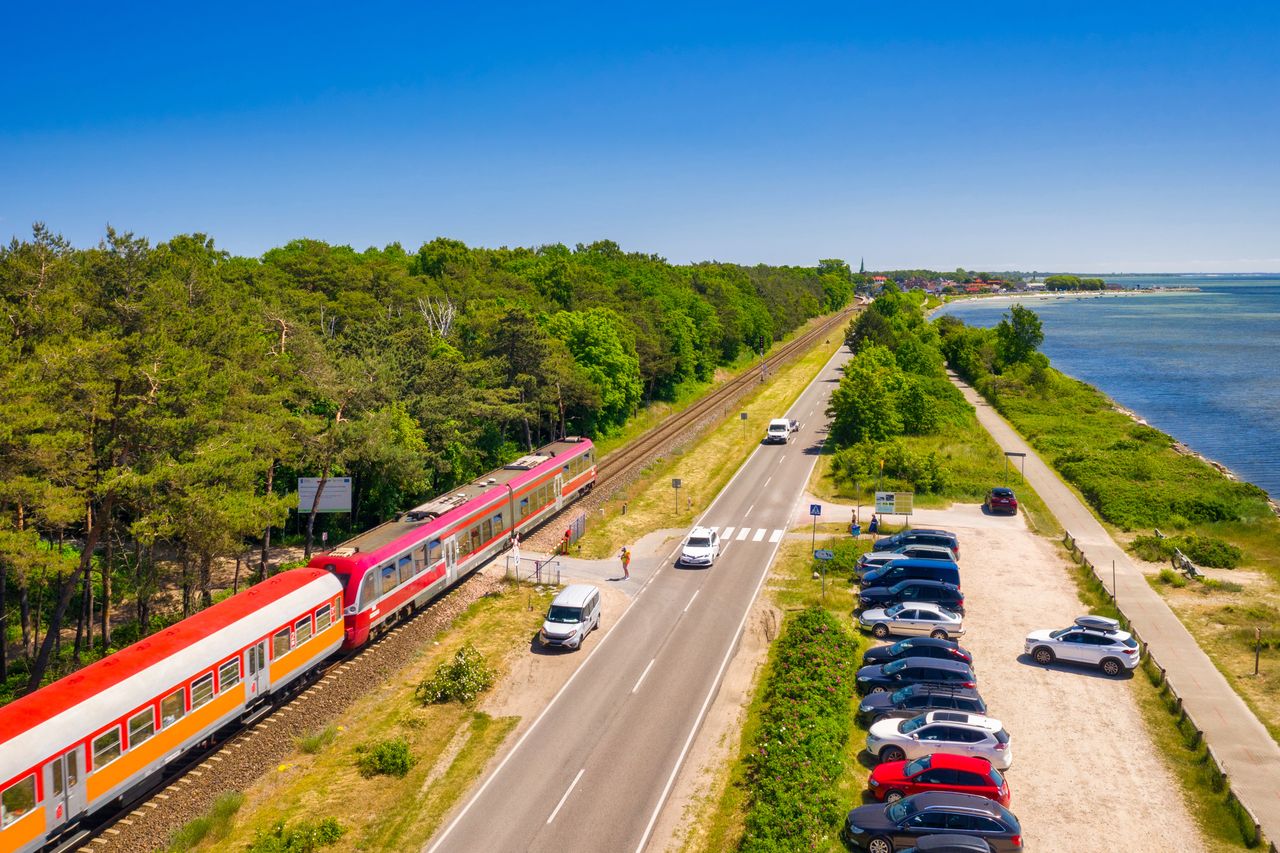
700 549
950 732
1092 640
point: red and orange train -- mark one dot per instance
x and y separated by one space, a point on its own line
87 740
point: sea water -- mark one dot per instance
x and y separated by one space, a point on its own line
1203 366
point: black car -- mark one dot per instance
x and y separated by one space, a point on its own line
905 671
883 828
896 571
917 647
948 843
920 536
937 592
907 702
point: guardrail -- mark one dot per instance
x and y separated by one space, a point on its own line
1220 781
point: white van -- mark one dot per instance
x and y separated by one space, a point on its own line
574 613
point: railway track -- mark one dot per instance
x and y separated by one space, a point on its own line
140 826
616 467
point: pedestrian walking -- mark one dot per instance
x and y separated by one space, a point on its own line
625 556
874 527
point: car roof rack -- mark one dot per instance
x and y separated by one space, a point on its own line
1098 623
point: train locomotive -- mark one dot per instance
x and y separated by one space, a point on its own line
88 740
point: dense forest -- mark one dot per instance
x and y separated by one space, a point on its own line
160 400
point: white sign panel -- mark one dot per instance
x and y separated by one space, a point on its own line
894 503
336 496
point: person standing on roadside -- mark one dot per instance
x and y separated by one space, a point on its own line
625 556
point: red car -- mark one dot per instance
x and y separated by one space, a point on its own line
960 774
1001 499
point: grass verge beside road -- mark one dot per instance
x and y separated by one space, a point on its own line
449 743
705 466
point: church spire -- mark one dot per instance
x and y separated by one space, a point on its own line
862 266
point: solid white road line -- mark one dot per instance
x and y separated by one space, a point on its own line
776 536
690 604
650 666
742 534
728 531
760 532
556 811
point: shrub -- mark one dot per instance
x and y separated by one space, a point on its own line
461 680
797 757
211 827
385 758
1171 578
301 837
1201 550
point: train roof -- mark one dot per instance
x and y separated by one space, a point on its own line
389 531
210 636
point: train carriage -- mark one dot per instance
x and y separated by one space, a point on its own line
399 566
81 743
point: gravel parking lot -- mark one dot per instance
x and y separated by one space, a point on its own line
1085 774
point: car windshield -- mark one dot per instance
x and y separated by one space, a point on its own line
901 810
948 614
560 613
1058 633
912 724
996 778
894 610
1002 493
918 766
1130 643
896 666
1002 736
901 695
698 542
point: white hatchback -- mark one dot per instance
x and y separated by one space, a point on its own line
700 549
950 732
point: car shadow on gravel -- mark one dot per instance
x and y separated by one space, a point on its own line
868 760
1075 669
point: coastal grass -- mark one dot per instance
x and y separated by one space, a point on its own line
211 828
449 744
721 824
1218 817
705 466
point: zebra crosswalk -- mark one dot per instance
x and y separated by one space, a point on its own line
745 534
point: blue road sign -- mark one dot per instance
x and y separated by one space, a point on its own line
815 509
824 555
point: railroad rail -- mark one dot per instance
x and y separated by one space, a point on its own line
614 467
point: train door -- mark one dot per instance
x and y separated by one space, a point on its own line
559 491
258 678
65 792
451 558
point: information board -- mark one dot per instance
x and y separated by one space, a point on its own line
894 503
336 496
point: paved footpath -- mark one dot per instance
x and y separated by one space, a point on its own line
1246 750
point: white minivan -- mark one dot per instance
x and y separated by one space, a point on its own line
574 613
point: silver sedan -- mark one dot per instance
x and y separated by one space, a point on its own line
912 618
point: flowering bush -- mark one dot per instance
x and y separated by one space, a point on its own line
798 755
461 680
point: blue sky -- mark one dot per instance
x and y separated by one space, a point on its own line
1113 137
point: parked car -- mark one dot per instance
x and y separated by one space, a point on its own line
1001 499
915 699
914 551
948 843
953 732
700 549
900 673
882 828
909 568
574 613
920 536
934 592
915 618
938 771
1092 641
917 647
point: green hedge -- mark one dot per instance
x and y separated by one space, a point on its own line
798 756
1201 550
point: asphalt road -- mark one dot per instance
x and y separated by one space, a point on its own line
593 772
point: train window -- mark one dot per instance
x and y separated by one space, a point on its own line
488 530
566 470
302 629
172 708
475 538
280 644
59 783
406 568
142 725
106 748
324 618
524 508
228 675
388 578
433 550
18 799
367 591
201 691
497 523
